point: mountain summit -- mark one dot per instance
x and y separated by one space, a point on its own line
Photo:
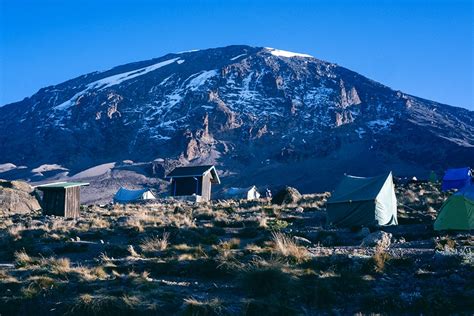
263 115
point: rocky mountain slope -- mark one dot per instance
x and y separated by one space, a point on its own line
265 116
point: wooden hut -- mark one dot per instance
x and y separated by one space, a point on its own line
61 198
193 183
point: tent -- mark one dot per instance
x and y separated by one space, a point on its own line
456 178
361 201
457 212
250 193
433 177
130 196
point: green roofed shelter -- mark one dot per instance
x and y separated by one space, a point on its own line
359 201
457 212
61 198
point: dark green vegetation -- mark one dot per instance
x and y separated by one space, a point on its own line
231 257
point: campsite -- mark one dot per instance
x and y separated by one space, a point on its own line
393 248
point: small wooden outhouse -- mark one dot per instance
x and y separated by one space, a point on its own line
61 198
193 183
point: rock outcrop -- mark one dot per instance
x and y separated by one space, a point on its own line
17 197
288 195
379 239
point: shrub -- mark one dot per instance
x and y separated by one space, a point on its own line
276 224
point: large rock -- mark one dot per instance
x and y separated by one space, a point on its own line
286 196
17 197
379 239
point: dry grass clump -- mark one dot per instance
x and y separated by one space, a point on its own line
90 274
102 304
154 244
57 265
182 220
134 223
5 277
99 223
287 247
37 285
195 307
380 259
23 260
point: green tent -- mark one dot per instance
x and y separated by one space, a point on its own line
433 177
363 201
457 212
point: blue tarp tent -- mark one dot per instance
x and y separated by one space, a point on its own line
130 196
456 178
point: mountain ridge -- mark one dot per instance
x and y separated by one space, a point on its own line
254 111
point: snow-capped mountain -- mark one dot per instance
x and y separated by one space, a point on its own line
264 115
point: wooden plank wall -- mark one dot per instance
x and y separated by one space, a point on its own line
73 206
206 187
62 202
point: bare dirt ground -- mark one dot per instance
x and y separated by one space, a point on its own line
234 257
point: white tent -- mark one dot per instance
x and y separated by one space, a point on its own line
250 193
130 196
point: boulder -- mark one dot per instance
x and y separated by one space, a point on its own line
17 197
378 239
364 232
286 196
302 240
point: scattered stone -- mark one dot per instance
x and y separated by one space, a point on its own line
299 209
378 239
286 196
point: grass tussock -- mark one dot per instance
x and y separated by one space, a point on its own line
285 246
154 244
195 307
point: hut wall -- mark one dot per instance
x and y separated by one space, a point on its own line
73 205
206 187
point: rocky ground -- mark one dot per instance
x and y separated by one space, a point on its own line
234 257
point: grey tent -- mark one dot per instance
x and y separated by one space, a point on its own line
361 201
130 196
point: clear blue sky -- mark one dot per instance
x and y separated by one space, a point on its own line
424 48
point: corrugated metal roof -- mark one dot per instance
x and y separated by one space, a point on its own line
58 185
194 171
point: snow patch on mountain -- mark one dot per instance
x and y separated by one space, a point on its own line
114 80
238 56
284 53
378 125
200 79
